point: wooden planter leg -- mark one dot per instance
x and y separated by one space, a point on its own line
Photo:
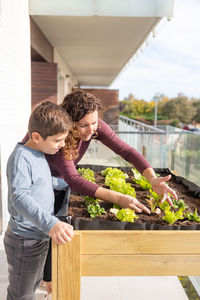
67 275
54 271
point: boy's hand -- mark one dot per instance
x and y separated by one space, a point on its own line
61 232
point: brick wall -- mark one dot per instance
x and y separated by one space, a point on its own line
44 82
110 103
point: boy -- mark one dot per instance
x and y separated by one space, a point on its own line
31 201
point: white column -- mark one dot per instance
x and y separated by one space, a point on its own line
15 82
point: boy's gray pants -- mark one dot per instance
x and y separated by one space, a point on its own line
26 259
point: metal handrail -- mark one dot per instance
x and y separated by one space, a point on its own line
139 124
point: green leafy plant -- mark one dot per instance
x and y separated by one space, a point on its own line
171 216
122 187
179 203
176 204
163 205
114 172
90 200
141 180
87 174
92 204
152 203
154 200
116 180
124 214
95 210
105 171
193 216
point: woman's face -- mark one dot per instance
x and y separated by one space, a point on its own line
87 126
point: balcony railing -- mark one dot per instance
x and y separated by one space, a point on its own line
166 147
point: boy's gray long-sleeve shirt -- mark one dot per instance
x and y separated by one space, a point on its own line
30 193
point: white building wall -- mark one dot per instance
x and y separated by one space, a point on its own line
66 80
15 82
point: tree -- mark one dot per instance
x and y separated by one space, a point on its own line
196 104
161 104
133 107
179 108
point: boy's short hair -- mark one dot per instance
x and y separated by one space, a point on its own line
49 119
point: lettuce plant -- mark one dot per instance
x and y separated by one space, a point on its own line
87 174
114 172
141 180
163 205
95 210
124 214
171 216
179 203
193 216
90 200
176 204
92 204
154 200
121 186
116 180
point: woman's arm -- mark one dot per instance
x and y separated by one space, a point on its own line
66 169
107 136
122 200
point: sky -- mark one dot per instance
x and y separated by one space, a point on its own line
170 64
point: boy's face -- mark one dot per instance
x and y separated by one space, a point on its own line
52 143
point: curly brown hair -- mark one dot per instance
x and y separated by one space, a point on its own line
70 149
77 104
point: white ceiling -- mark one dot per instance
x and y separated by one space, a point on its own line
95 45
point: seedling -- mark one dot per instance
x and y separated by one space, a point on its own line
95 210
163 205
171 217
87 174
89 200
193 216
179 203
116 180
92 205
141 180
154 200
124 214
114 172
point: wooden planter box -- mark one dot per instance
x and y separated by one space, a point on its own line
123 253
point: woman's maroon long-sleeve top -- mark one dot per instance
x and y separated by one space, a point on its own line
66 169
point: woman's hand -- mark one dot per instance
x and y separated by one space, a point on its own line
159 186
122 200
126 201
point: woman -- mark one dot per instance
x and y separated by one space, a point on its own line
83 108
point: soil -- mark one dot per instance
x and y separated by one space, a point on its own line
78 210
